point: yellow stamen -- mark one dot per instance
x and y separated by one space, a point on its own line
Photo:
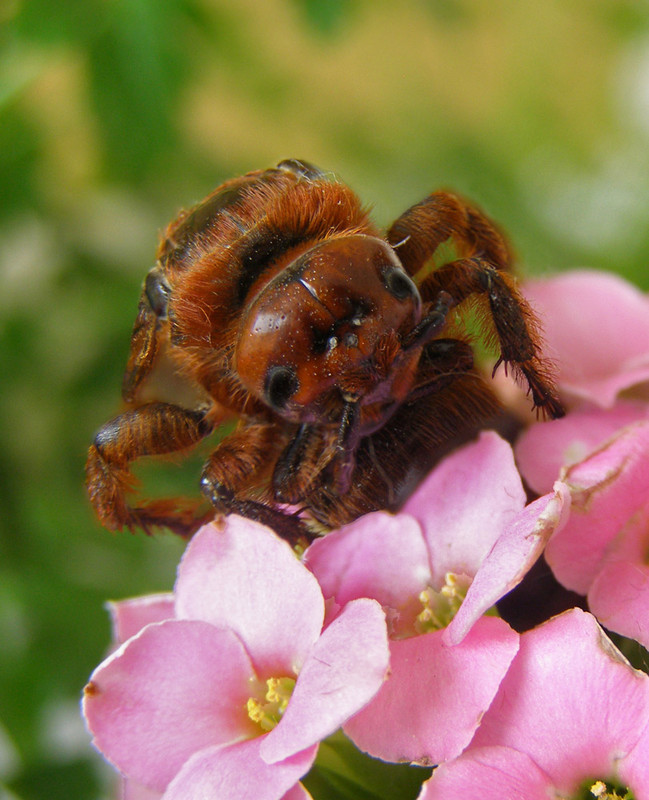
605 791
439 607
268 711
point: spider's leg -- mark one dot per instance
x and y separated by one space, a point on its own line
151 429
420 230
242 462
482 273
506 318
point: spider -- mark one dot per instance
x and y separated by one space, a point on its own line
339 351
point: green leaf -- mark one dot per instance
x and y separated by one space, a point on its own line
342 771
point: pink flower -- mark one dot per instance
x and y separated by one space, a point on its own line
230 696
465 531
596 329
570 714
602 550
129 617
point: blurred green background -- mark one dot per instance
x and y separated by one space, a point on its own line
115 113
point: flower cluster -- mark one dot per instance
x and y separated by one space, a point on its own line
388 628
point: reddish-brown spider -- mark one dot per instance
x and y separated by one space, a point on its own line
337 348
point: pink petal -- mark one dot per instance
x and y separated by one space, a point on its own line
244 577
619 598
238 771
633 768
345 669
298 792
543 449
381 556
135 791
570 701
490 773
604 348
516 550
609 496
130 616
432 703
465 503
177 687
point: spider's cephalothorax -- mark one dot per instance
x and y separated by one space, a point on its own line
337 348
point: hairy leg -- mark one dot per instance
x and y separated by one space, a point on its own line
152 429
507 321
419 231
242 463
480 276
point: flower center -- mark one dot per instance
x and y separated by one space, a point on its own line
267 712
439 607
604 790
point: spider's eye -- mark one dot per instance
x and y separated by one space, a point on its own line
281 385
321 341
398 283
157 291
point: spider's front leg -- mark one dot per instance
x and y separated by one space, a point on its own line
482 273
151 429
420 230
507 317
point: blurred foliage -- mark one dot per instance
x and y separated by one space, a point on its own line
114 113
342 771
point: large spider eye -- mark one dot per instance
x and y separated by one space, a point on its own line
281 385
398 283
321 341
